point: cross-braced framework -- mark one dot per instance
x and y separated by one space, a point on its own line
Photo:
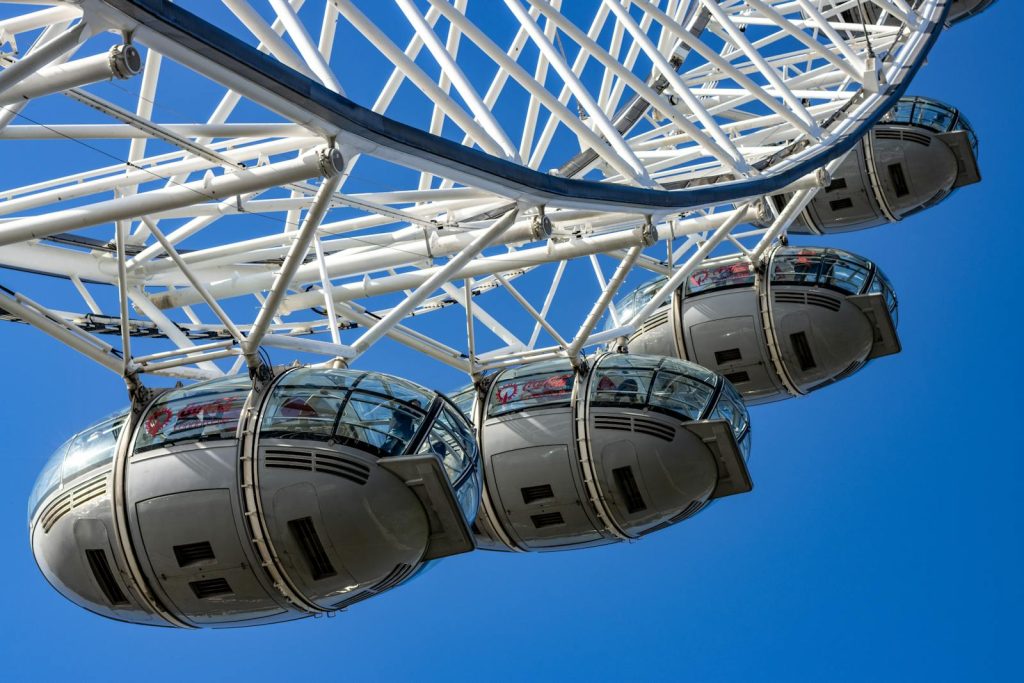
317 176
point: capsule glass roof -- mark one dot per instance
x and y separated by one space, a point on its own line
88 450
933 115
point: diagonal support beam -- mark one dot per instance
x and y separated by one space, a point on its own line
434 281
315 163
295 257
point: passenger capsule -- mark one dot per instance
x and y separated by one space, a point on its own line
576 459
810 317
959 11
917 155
222 506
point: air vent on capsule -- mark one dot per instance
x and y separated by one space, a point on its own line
193 553
316 461
66 502
841 204
727 356
802 349
737 377
547 519
628 423
629 490
305 535
899 180
535 493
97 560
210 588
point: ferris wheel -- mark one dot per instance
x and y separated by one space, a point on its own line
316 176
485 183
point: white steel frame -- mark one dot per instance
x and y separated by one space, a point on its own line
687 112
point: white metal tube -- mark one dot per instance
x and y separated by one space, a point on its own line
250 180
434 281
602 302
581 93
199 287
308 346
452 71
501 263
408 338
57 78
41 55
295 257
315 60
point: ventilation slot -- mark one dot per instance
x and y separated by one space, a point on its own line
397 575
908 135
193 553
210 588
784 297
840 204
802 350
823 301
60 506
327 463
899 181
312 548
626 483
547 519
104 577
738 377
727 356
837 184
638 424
624 424
535 493
655 321
66 502
652 428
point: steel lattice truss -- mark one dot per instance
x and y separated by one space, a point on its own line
317 176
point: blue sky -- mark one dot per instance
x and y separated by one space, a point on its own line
882 541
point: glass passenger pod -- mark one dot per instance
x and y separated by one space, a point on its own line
800 337
918 154
822 338
364 475
577 460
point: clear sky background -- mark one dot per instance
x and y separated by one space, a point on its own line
883 540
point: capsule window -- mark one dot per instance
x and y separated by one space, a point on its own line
622 386
529 391
206 411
